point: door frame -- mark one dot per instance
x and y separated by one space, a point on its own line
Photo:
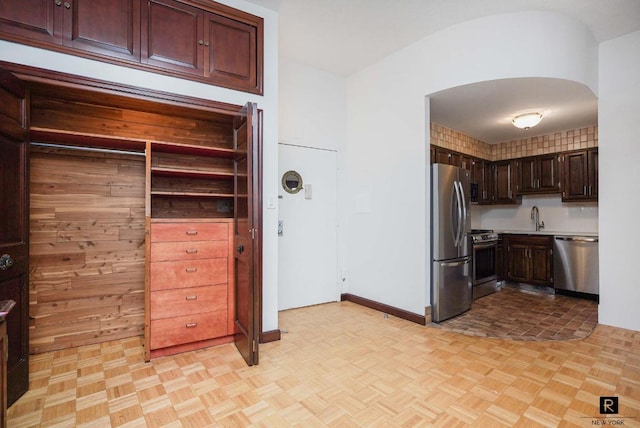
60 81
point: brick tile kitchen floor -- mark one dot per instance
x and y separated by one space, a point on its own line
521 313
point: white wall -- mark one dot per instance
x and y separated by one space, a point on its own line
387 176
619 153
557 216
269 103
313 113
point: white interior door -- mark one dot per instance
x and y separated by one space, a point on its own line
308 245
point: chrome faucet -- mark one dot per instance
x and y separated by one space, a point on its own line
535 216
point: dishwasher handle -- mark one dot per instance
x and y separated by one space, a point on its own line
577 238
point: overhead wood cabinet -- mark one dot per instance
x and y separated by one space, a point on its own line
580 175
193 39
504 182
539 174
103 27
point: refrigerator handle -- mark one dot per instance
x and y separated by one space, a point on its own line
464 261
465 212
459 232
455 226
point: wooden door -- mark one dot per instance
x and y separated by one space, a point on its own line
503 182
541 260
14 229
549 173
575 185
592 158
106 27
247 240
527 175
231 52
517 262
172 36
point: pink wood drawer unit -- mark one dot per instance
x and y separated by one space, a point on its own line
186 301
189 328
189 231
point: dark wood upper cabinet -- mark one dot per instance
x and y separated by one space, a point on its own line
580 175
481 175
193 39
539 174
103 27
231 55
504 182
186 39
172 36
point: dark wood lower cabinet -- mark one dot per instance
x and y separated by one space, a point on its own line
529 259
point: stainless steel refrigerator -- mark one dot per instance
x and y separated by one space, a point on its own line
451 281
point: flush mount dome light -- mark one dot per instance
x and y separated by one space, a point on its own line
527 120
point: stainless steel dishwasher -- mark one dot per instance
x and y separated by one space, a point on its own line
575 265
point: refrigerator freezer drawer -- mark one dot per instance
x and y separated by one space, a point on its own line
451 292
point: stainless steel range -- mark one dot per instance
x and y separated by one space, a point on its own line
484 253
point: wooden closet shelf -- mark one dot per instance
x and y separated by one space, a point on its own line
176 193
192 149
80 139
181 172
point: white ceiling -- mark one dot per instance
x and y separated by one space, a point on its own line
345 36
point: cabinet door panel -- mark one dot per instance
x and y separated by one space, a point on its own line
548 173
35 19
540 265
592 156
517 262
527 175
504 182
109 27
231 55
172 34
575 176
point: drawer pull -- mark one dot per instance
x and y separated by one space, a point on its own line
192 251
191 324
193 297
192 232
191 270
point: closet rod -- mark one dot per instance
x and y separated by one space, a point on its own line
89 149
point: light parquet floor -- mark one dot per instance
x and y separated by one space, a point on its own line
341 365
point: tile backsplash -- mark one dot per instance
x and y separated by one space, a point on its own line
573 139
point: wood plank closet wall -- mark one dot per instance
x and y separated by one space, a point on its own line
87 210
87 247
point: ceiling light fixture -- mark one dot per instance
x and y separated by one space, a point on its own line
527 120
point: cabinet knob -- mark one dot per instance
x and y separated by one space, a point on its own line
6 262
58 3
191 324
201 42
206 43
67 5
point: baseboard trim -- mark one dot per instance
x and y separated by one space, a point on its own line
270 336
391 310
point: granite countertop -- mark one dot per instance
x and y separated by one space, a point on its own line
547 232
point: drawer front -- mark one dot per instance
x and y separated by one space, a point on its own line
188 273
187 329
167 251
188 301
175 232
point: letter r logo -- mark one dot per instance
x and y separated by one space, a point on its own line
608 405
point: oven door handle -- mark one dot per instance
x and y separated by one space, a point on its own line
483 245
